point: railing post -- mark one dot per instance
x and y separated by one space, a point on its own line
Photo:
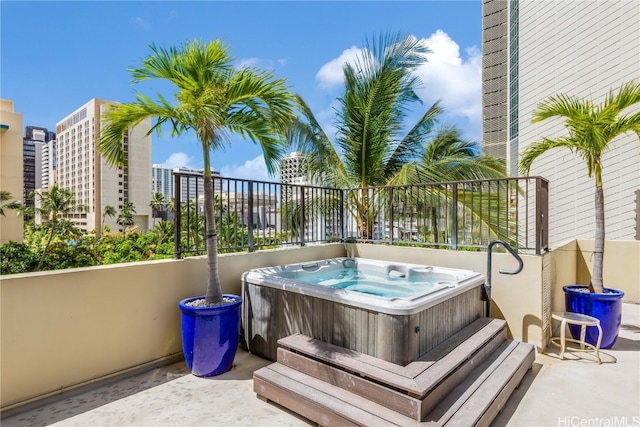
302 215
454 240
250 215
342 213
391 215
177 217
542 215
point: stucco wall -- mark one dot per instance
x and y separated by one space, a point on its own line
61 329
11 170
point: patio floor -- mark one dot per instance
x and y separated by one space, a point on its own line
555 392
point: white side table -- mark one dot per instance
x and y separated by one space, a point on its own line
577 319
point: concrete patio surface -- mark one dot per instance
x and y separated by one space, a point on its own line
565 393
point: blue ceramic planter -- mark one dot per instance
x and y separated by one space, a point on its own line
607 307
210 336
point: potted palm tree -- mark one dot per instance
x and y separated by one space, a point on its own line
213 100
591 129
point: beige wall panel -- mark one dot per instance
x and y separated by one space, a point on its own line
11 173
554 59
64 328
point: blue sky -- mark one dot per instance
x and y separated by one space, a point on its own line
56 56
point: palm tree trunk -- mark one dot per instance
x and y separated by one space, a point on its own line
598 251
214 290
46 247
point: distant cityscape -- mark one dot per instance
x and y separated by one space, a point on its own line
68 157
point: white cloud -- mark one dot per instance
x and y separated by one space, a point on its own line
177 160
248 62
140 21
254 169
331 74
455 80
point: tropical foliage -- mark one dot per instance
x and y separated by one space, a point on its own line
5 196
591 128
373 146
157 204
213 100
108 211
125 217
71 247
53 206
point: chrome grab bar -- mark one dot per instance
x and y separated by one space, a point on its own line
487 284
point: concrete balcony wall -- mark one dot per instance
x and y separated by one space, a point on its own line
573 264
66 328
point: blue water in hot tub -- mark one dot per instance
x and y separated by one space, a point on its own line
369 282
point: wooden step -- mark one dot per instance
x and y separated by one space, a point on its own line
466 380
417 378
479 398
374 391
474 402
320 402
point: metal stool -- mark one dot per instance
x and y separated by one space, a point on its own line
577 319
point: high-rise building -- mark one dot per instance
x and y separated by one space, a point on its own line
11 174
293 169
95 183
34 140
535 49
48 165
193 187
162 181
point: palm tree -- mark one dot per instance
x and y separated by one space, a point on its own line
448 156
591 128
126 214
108 211
213 100
54 206
156 204
4 197
373 146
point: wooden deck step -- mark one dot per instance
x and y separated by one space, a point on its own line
320 402
481 396
417 378
464 381
394 399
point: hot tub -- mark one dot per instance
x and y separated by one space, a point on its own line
393 311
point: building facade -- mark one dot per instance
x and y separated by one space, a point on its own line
48 165
11 173
96 184
162 181
535 49
32 144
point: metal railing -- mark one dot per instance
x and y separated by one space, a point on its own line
461 215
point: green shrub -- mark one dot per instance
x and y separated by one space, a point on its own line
17 258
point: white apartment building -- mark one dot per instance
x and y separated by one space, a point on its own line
81 168
534 49
162 181
191 187
48 165
293 169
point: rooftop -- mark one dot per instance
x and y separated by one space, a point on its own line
571 392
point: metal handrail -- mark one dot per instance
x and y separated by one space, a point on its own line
487 284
